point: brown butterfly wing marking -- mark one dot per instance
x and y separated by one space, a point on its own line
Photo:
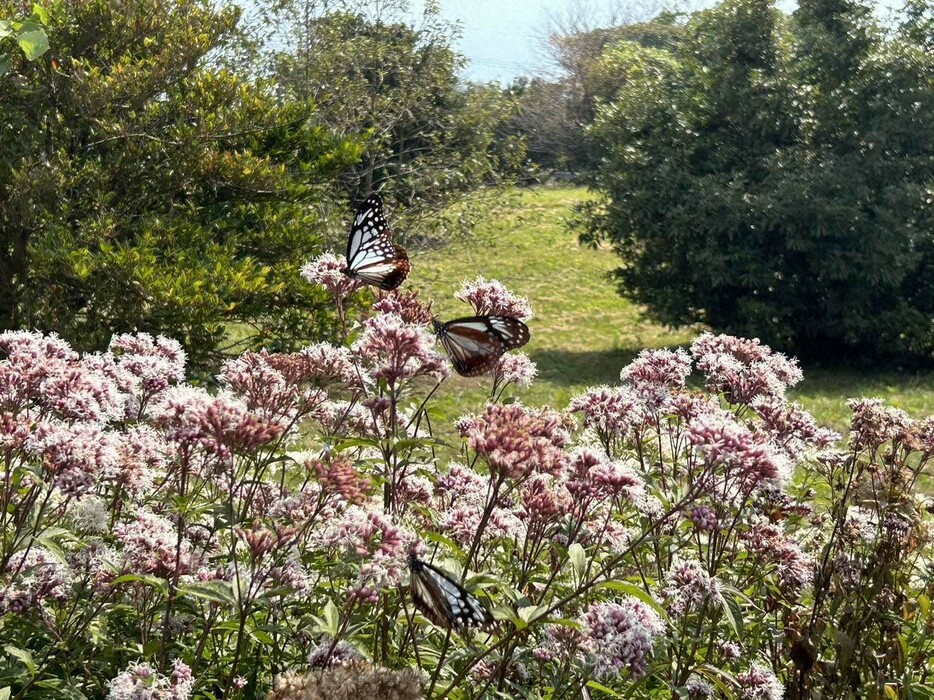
476 343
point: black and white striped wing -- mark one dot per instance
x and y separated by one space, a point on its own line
372 257
444 601
476 343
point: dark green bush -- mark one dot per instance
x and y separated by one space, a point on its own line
143 188
772 176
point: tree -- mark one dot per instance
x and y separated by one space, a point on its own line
771 177
376 77
554 112
142 189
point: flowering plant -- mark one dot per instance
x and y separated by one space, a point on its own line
654 539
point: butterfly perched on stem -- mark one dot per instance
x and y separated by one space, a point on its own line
443 600
372 257
475 343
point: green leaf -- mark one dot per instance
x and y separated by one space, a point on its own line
6 28
33 43
636 592
531 613
924 605
23 656
578 558
39 13
159 584
329 621
5 693
734 615
5 64
214 591
603 689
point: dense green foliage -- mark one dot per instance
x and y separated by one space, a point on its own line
773 177
554 112
144 190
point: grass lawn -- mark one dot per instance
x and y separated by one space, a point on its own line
582 332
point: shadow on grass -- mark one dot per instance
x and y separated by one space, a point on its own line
574 368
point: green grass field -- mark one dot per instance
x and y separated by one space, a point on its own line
583 333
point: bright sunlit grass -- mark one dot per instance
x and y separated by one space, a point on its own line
583 333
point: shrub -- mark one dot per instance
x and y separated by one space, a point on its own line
145 189
652 540
770 176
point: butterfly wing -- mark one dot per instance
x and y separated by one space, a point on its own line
372 257
444 601
476 343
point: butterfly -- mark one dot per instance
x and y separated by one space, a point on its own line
443 600
476 343
372 257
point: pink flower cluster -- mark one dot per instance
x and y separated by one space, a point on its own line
325 270
759 683
873 423
491 297
611 412
141 682
338 475
367 533
687 586
657 374
516 441
396 351
156 363
746 457
514 368
221 425
151 545
620 635
406 305
74 456
794 568
790 428
742 369
33 577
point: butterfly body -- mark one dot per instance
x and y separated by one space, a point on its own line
372 257
475 343
443 600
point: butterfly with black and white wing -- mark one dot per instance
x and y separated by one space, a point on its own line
372 257
475 343
443 600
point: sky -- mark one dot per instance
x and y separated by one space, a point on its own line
503 39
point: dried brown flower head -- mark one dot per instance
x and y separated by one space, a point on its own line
357 681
